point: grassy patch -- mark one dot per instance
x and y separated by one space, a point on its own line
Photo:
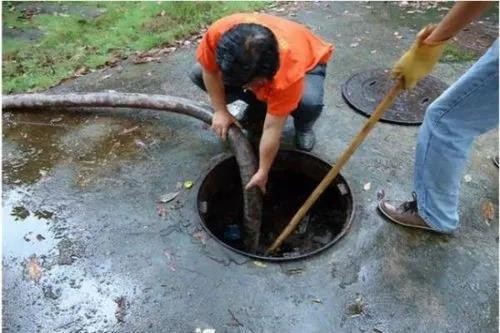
453 53
40 50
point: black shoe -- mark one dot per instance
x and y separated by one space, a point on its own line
305 140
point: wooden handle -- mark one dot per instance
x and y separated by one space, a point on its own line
330 176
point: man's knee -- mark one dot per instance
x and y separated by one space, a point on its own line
196 76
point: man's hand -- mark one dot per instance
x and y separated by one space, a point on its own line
419 60
258 179
221 121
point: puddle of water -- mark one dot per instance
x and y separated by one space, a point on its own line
35 142
25 232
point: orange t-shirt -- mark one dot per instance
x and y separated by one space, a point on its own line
299 51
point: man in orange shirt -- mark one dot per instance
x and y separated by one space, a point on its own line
276 66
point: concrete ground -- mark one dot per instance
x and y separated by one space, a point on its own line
87 248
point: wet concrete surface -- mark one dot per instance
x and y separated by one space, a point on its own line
110 258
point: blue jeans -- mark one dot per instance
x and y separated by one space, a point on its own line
465 110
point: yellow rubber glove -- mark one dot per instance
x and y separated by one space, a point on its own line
419 60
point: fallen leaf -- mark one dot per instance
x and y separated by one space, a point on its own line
367 186
201 236
259 264
488 210
167 197
33 269
81 70
188 184
162 211
121 307
142 60
467 178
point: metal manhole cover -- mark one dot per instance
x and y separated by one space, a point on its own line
363 91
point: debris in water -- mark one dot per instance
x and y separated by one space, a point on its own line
380 194
467 178
317 300
40 237
367 186
128 130
140 144
188 184
56 120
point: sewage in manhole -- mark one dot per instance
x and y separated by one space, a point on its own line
364 91
293 177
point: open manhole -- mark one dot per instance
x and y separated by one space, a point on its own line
364 91
293 177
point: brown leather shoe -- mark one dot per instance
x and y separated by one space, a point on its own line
403 213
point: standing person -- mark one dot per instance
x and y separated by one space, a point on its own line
465 110
276 66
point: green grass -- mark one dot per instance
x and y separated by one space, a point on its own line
71 41
453 53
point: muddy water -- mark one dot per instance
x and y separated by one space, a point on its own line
38 141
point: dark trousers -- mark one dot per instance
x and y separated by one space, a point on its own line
307 112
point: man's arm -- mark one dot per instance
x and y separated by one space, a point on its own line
457 18
269 145
428 47
222 119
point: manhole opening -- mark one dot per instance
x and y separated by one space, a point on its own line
292 179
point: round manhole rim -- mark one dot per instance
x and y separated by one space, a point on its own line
226 156
359 108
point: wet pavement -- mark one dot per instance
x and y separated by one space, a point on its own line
88 248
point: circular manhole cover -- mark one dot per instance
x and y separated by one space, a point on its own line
363 91
292 179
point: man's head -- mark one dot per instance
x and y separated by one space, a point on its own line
247 52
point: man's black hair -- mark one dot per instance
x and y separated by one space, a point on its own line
245 52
